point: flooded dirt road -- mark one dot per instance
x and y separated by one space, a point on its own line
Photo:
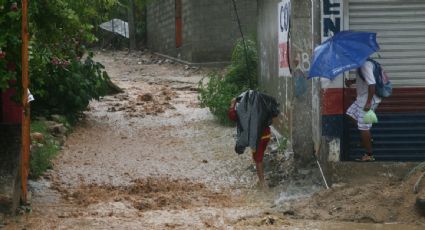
151 158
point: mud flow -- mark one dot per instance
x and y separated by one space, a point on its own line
150 194
152 158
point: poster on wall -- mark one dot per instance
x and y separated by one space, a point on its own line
284 13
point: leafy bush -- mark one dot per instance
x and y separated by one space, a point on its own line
217 93
65 24
10 42
66 87
60 80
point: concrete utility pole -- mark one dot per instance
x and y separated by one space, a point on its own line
131 25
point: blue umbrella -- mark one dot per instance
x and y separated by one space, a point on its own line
344 51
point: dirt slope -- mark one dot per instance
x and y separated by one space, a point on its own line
384 201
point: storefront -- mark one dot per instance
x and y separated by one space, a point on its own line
400 28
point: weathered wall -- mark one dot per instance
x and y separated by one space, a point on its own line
216 29
209 28
295 92
161 33
9 167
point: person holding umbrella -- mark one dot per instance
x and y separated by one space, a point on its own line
345 51
366 100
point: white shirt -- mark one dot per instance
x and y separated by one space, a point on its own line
362 87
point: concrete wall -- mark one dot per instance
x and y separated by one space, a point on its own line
209 28
9 167
298 101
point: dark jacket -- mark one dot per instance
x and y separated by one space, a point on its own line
255 111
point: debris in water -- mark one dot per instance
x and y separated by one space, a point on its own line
145 97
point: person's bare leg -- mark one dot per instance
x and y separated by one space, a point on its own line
260 173
366 140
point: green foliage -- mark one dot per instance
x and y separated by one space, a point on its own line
140 18
217 93
59 30
61 81
94 12
41 157
240 72
66 87
10 41
282 144
56 26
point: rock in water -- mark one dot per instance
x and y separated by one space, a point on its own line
145 97
420 205
37 137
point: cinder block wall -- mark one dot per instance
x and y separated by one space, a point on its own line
161 27
185 51
216 29
209 28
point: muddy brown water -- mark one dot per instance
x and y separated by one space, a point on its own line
151 158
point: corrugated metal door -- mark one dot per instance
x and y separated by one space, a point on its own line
400 25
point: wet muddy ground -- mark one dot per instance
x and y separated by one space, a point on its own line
151 158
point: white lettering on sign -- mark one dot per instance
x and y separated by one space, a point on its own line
331 18
284 12
332 23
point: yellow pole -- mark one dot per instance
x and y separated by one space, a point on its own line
25 155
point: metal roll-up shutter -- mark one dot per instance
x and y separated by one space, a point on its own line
400 25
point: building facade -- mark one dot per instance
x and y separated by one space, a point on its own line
198 31
314 109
